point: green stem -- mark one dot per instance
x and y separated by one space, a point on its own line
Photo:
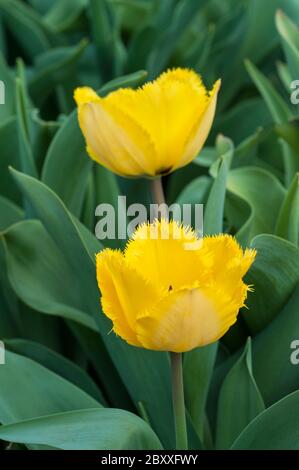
178 401
159 197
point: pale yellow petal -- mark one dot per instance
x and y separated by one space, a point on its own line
124 293
166 253
190 318
180 322
115 140
201 129
168 109
84 95
226 260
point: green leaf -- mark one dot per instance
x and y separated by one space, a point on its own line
27 163
10 213
153 387
249 183
106 38
289 34
274 429
239 400
195 192
43 391
280 113
281 378
288 218
41 287
8 108
274 276
63 14
131 80
239 217
277 106
243 119
9 156
213 215
27 26
64 174
182 16
289 132
53 68
91 429
57 363
198 369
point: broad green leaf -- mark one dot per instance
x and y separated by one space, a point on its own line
27 26
288 218
274 341
43 391
239 217
68 176
239 400
182 16
243 119
63 14
105 190
106 38
153 387
277 376
10 213
274 429
85 429
274 276
195 192
28 244
57 363
280 113
53 68
198 368
249 183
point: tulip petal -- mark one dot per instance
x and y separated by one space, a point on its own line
167 109
182 321
168 253
226 260
124 293
115 139
200 130
190 318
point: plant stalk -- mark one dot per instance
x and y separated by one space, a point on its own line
178 401
159 197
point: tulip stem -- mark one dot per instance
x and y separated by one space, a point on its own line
178 401
158 197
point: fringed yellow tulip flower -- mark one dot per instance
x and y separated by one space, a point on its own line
173 292
149 131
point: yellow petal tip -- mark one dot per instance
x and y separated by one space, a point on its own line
83 95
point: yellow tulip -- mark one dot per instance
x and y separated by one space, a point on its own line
149 131
173 292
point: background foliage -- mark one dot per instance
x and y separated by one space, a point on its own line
67 383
